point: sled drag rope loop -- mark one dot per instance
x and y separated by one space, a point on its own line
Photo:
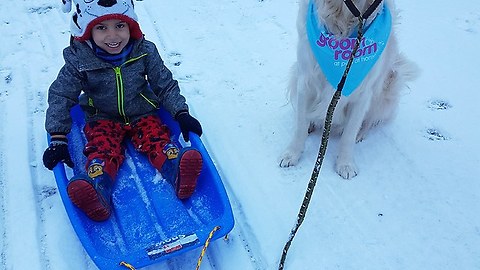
326 130
127 265
204 249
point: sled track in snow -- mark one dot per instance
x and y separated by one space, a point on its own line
3 201
248 239
12 183
34 175
35 109
34 118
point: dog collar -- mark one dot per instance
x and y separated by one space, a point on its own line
333 54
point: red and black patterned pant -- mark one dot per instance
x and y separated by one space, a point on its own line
105 141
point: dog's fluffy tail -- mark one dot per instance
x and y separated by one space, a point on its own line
403 71
406 70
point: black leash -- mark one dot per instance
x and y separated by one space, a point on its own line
353 8
328 122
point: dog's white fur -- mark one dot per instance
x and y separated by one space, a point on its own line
374 101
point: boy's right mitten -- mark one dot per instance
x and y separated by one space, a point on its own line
56 152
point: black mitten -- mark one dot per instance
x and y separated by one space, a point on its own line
57 152
188 124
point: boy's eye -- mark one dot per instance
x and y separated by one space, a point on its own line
121 25
100 27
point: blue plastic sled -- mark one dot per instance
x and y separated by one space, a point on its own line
148 224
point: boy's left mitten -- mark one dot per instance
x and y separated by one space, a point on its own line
56 152
188 124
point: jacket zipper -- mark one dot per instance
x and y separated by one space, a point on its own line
121 90
120 94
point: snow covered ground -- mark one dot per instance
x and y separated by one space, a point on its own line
414 205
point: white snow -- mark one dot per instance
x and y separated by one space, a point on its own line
414 205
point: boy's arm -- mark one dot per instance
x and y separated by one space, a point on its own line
162 83
168 92
62 96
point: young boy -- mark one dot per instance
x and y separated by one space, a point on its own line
119 80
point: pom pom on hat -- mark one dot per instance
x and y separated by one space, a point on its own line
86 15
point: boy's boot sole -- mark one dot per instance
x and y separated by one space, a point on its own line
190 167
84 196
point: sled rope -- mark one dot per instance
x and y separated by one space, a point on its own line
204 249
327 126
127 265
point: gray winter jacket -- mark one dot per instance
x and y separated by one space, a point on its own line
125 93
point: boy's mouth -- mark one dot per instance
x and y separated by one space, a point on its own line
113 45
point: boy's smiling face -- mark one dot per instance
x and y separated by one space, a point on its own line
111 35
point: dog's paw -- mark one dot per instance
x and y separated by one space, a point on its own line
360 137
289 158
347 170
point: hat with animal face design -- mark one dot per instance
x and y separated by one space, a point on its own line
88 13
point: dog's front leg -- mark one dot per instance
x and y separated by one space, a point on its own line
292 153
345 164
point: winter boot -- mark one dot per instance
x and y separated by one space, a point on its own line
182 171
92 193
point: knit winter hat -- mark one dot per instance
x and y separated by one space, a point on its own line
88 13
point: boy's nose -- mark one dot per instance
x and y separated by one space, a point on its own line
110 33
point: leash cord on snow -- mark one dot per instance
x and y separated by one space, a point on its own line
327 126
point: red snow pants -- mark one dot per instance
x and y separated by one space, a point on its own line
105 141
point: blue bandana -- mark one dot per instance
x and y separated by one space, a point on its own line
114 59
333 54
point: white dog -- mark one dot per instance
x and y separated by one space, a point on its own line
371 93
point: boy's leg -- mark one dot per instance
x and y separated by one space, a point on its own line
181 168
92 192
149 136
91 195
189 167
105 143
